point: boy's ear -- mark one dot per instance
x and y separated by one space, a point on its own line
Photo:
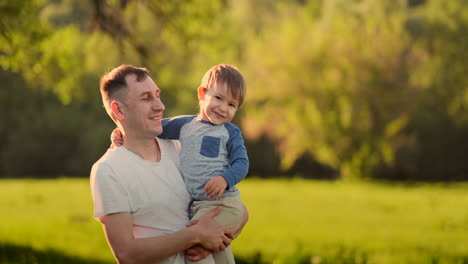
117 110
201 93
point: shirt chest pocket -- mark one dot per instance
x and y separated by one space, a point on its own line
210 146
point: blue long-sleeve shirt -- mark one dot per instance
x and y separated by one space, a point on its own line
208 151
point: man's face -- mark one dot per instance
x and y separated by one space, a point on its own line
218 105
143 108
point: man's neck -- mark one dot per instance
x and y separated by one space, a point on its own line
146 148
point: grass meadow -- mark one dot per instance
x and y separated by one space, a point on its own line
291 221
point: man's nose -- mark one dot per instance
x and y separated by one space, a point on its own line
158 105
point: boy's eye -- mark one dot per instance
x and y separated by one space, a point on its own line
232 105
218 97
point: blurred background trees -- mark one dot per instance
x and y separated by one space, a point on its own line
352 89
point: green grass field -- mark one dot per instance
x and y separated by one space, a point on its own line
291 221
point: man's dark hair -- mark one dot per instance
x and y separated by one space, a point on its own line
113 84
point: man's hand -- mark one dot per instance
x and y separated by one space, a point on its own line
212 235
197 253
216 186
116 138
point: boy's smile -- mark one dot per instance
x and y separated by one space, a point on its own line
217 105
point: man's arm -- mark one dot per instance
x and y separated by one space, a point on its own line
127 249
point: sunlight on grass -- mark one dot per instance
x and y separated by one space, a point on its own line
325 222
391 223
53 214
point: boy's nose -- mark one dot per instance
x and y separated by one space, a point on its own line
223 107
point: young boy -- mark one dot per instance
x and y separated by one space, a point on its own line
213 156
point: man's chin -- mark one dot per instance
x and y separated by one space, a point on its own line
156 133
153 133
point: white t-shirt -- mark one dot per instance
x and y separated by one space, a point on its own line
153 192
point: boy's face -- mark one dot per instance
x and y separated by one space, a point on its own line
217 104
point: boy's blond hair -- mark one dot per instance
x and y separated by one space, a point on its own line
228 74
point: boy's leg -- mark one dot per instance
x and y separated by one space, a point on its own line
229 217
224 257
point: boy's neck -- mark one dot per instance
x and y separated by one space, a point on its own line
205 120
145 148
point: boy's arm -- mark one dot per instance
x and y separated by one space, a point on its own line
172 126
238 159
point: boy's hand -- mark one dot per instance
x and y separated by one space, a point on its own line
216 186
116 138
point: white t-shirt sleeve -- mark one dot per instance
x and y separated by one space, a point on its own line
108 194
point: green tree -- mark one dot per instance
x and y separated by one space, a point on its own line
352 82
359 85
332 84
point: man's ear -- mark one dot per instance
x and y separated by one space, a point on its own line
117 110
201 93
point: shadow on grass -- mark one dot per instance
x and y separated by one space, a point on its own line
16 254
341 256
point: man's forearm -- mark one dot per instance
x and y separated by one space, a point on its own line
155 249
144 250
127 249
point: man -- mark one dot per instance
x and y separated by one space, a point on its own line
138 192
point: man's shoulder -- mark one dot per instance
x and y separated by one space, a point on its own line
99 167
110 155
171 144
110 159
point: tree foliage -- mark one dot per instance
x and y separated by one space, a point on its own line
370 88
344 80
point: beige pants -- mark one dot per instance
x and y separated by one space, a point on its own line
229 217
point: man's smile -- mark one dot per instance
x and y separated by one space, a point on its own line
156 117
